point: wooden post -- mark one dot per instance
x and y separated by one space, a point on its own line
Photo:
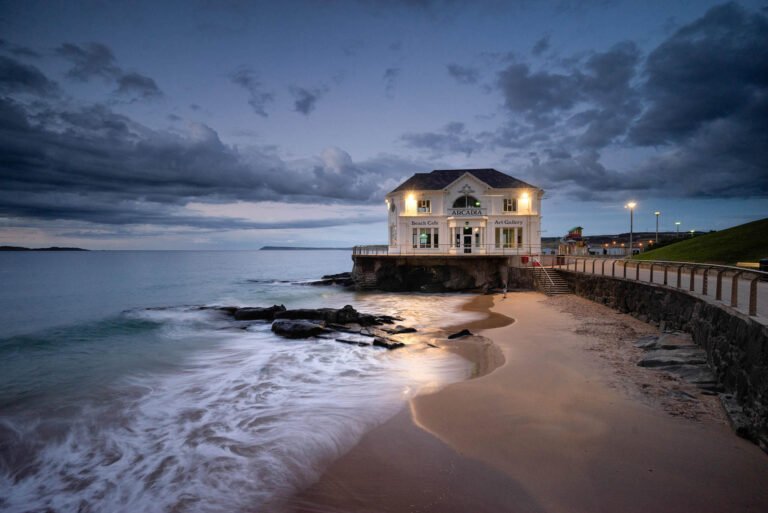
679 276
584 266
593 266
602 271
666 268
693 279
704 286
624 264
719 285
613 269
651 274
637 272
753 296
735 290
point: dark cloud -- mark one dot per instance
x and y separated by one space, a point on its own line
95 60
304 100
390 80
538 93
16 77
19 51
541 46
258 98
138 86
714 69
463 74
94 165
453 138
92 60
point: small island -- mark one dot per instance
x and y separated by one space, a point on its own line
52 248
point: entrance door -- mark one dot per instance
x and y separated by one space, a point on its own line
467 240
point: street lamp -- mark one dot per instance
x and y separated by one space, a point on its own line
631 206
677 227
657 214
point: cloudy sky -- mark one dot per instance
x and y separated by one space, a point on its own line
231 125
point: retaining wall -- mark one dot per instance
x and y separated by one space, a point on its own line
736 345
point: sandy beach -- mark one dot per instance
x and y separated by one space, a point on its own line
557 419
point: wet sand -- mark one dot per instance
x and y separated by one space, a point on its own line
555 428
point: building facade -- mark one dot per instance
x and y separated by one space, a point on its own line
464 212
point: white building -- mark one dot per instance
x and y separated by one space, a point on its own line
464 211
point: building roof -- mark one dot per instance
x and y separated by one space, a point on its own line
442 178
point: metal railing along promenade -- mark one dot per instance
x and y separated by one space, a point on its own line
694 278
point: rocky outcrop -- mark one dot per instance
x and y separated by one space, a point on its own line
736 346
346 315
460 334
258 313
343 279
290 328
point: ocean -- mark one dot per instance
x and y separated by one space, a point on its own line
117 394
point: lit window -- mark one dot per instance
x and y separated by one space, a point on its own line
510 204
425 206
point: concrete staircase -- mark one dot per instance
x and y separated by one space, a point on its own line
549 281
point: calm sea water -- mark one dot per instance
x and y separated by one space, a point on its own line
108 406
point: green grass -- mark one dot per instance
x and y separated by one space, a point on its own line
743 243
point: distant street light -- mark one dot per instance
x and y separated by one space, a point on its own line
631 206
657 213
677 226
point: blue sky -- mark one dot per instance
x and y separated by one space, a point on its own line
231 125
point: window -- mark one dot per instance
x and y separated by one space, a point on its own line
425 238
425 206
466 202
505 237
520 236
510 204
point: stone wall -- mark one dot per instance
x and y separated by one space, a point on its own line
429 274
736 345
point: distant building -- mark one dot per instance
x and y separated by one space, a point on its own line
464 211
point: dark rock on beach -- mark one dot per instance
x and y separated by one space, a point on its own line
387 343
258 313
291 328
343 279
460 334
346 315
400 329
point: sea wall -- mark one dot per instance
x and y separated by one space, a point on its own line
736 345
429 274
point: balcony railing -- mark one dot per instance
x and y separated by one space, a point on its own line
446 250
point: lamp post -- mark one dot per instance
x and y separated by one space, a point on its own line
677 226
631 206
657 214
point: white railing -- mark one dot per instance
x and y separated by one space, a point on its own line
679 275
444 250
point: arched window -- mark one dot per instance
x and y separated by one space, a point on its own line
466 202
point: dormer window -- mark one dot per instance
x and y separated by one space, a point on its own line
425 206
510 204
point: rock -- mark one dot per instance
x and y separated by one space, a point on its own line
649 342
387 343
346 315
343 279
352 341
291 328
670 357
400 329
462 333
258 313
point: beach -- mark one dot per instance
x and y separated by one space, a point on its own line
558 418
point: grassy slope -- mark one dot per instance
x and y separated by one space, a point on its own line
743 243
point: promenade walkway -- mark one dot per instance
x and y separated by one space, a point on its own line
678 276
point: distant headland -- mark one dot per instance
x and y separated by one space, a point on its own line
291 248
53 248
